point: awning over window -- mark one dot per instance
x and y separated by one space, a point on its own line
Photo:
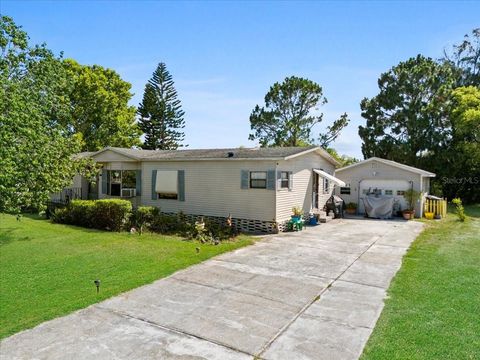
329 177
167 182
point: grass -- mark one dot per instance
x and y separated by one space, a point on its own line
433 309
47 270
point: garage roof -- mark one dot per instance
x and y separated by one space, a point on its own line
391 163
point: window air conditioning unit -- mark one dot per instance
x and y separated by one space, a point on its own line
127 193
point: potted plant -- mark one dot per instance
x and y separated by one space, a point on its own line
351 208
412 196
297 213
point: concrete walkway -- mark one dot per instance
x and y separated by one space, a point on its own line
315 294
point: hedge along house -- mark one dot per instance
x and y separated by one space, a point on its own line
384 178
257 187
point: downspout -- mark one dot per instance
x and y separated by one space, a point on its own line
421 196
358 197
275 196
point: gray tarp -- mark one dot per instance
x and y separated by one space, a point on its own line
378 207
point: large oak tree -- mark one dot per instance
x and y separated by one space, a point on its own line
408 118
99 112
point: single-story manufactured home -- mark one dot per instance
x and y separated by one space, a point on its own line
257 187
383 178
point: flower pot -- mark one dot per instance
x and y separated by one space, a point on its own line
351 211
296 217
408 214
429 215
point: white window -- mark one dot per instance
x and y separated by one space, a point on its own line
166 185
388 192
121 180
284 179
258 179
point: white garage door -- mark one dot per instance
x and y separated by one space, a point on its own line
393 188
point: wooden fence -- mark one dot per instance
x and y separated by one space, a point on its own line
438 207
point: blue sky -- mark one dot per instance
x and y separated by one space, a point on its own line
224 56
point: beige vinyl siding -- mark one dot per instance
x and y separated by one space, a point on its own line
302 192
355 174
213 188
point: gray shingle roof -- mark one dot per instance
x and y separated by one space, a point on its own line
391 163
209 154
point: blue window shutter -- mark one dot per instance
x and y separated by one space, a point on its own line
290 180
181 185
271 180
154 181
138 182
244 179
104 181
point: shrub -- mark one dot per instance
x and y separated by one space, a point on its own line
412 196
78 212
459 210
143 216
210 231
166 224
109 214
60 216
112 214
351 205
81 212
220 231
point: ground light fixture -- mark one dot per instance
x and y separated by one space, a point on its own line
97 284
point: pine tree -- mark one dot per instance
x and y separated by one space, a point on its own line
161 114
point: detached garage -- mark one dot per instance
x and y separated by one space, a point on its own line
380 178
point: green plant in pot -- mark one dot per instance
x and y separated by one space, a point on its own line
351 208
411 196
297 212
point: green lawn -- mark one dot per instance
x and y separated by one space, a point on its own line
433 310
47 270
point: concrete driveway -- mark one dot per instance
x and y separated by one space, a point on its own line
315 294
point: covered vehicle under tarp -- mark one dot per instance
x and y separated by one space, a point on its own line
378 207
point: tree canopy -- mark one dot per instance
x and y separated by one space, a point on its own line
161 114
465 58
426 115
288 117
35 153
99 112
409 116
460 167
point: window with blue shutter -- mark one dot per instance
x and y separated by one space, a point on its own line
104 181
138 182
244 177
181 185
154 181
271 180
